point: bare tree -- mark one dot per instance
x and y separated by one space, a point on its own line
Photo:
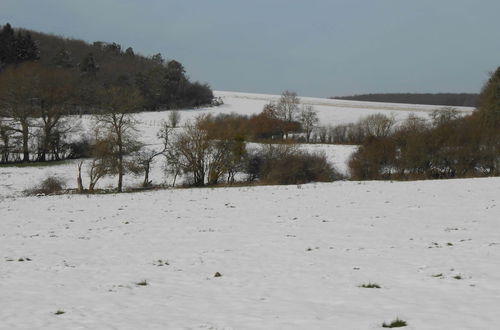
97 170
144 158
287 108
444 115
192 148
378 125
173 164
79 181
288 105
174 118
118 125
6 132
308 118
103 162
17 100
56 94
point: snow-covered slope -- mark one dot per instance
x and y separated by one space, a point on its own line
291 257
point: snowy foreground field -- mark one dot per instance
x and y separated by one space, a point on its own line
291 257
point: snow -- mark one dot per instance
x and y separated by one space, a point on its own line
291 257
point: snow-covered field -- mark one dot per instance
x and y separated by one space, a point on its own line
291 257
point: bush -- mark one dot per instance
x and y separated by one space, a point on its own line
49 186
285 164
397 323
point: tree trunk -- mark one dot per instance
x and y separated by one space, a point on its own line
120 166
79 178
146 182
25 133
45 144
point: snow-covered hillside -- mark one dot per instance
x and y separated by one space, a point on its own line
291 257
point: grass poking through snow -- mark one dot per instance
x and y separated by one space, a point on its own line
370 285
397 323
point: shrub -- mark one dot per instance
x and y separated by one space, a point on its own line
285 164
370 285
397 323
49 186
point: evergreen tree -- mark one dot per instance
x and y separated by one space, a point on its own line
89 65
489 101
25 48
16 48
174 84
7 46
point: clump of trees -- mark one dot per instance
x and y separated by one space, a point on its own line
449 146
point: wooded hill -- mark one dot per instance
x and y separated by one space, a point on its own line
163 84
444 99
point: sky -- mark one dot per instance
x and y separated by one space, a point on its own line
317 48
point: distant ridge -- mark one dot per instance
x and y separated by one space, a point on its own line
443 99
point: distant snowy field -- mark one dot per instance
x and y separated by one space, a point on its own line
291 257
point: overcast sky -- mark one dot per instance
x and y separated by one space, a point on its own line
314 47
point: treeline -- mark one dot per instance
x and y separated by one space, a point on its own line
451 146
444 99
163 84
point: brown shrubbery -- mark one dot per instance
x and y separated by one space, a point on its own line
262 126
449 148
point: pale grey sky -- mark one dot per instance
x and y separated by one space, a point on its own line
315 47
